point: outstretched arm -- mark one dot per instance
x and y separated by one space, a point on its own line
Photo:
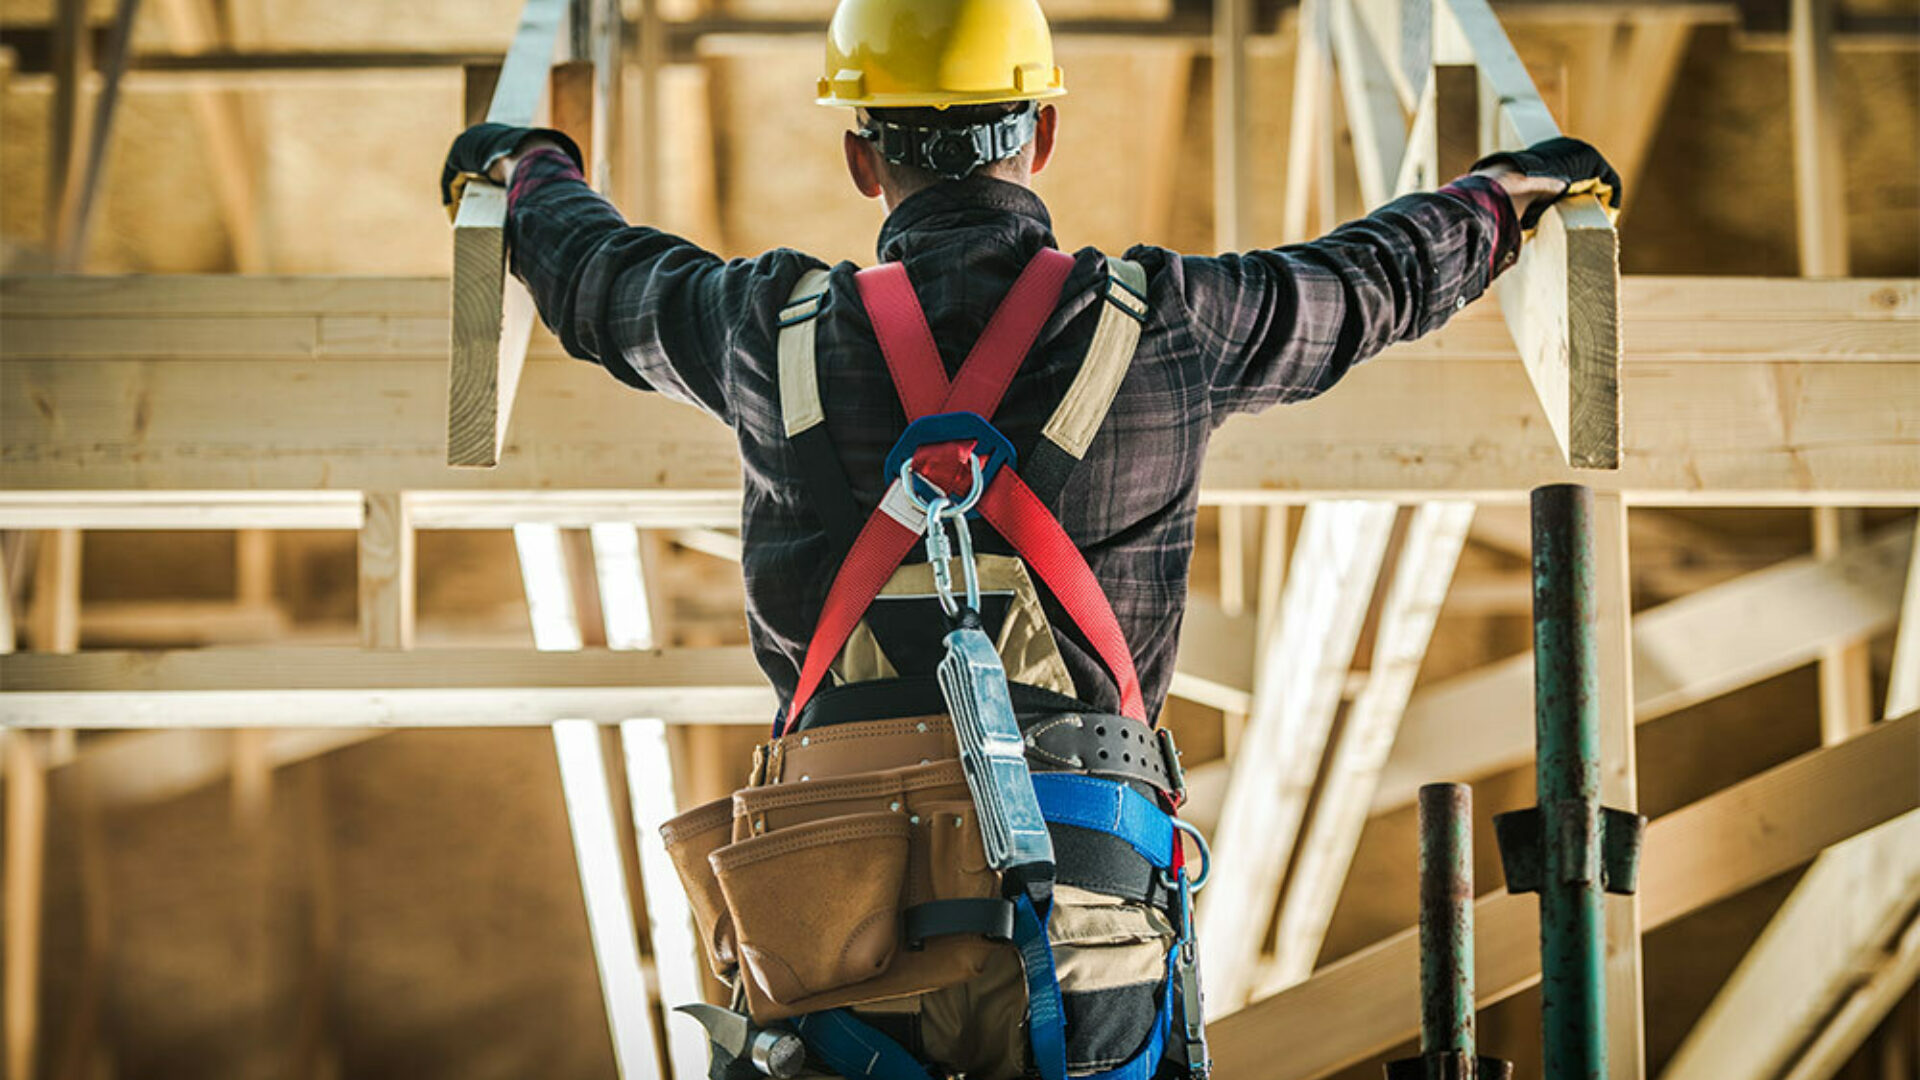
657 311
1286 324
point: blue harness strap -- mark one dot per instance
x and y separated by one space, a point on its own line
1109 807
856 1051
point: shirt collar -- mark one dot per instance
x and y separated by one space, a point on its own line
978 202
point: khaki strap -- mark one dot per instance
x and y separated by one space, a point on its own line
800 406
1083 409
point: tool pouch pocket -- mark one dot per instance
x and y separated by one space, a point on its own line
690 839
1111 956
938 855
816 906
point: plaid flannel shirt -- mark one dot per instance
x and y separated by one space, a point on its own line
1226 334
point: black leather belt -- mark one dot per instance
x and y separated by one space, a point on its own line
1063 734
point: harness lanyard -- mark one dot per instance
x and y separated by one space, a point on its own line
1008 504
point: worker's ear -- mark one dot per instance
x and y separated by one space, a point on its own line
1043 134
861 165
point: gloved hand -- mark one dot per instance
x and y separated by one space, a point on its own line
1571 161
476 150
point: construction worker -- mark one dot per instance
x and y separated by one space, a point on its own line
892 893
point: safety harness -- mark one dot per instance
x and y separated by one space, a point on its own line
952 464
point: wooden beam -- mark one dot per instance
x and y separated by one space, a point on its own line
139 767
1863 1010
1379 129
1428 555
1232 166
1833 929
54 615
603 885
1903 680
67 118
1846 671
1309 131
493 315
1640 90
1296 695
1619 780
74 223
387 586
334 688
1562 299
1795 1005
93 401
25 876
222 117
1819 162
676 951
1684 652
1368 1003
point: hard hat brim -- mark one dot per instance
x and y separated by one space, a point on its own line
938 100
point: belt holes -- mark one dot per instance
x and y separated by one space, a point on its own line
1103 755
1101 731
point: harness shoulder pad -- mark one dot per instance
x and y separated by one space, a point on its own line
800 406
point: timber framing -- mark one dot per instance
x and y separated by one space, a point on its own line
1368 1003
1745 392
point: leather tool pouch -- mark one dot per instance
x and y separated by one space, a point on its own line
817 906
690 839
814 895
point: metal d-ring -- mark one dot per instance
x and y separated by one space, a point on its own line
964 506
1206 858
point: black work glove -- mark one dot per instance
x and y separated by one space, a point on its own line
1575 162
476 150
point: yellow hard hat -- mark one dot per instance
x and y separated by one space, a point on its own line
919 53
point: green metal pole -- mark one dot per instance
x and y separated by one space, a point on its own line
1567 726
1446 920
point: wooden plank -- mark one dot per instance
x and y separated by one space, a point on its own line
1846 671
74 225
387 587
54 616
1232 165
221 115
1373 109
139 767
1684 652
1309 134
1809 960
25 875
492 315
1903 678
1329 588
1702 853
676 951
1562 299
67 120
1795 1005
1428 555
335 688
1641 90
1619 780
1820 189
603 885
1406 425
1864 1009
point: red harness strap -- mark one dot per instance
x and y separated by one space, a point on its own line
1008 504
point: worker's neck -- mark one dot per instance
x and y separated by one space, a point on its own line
895 191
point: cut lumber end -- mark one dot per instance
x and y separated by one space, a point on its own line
475 421
1593 326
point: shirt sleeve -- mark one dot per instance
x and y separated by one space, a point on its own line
658 312
1285 324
